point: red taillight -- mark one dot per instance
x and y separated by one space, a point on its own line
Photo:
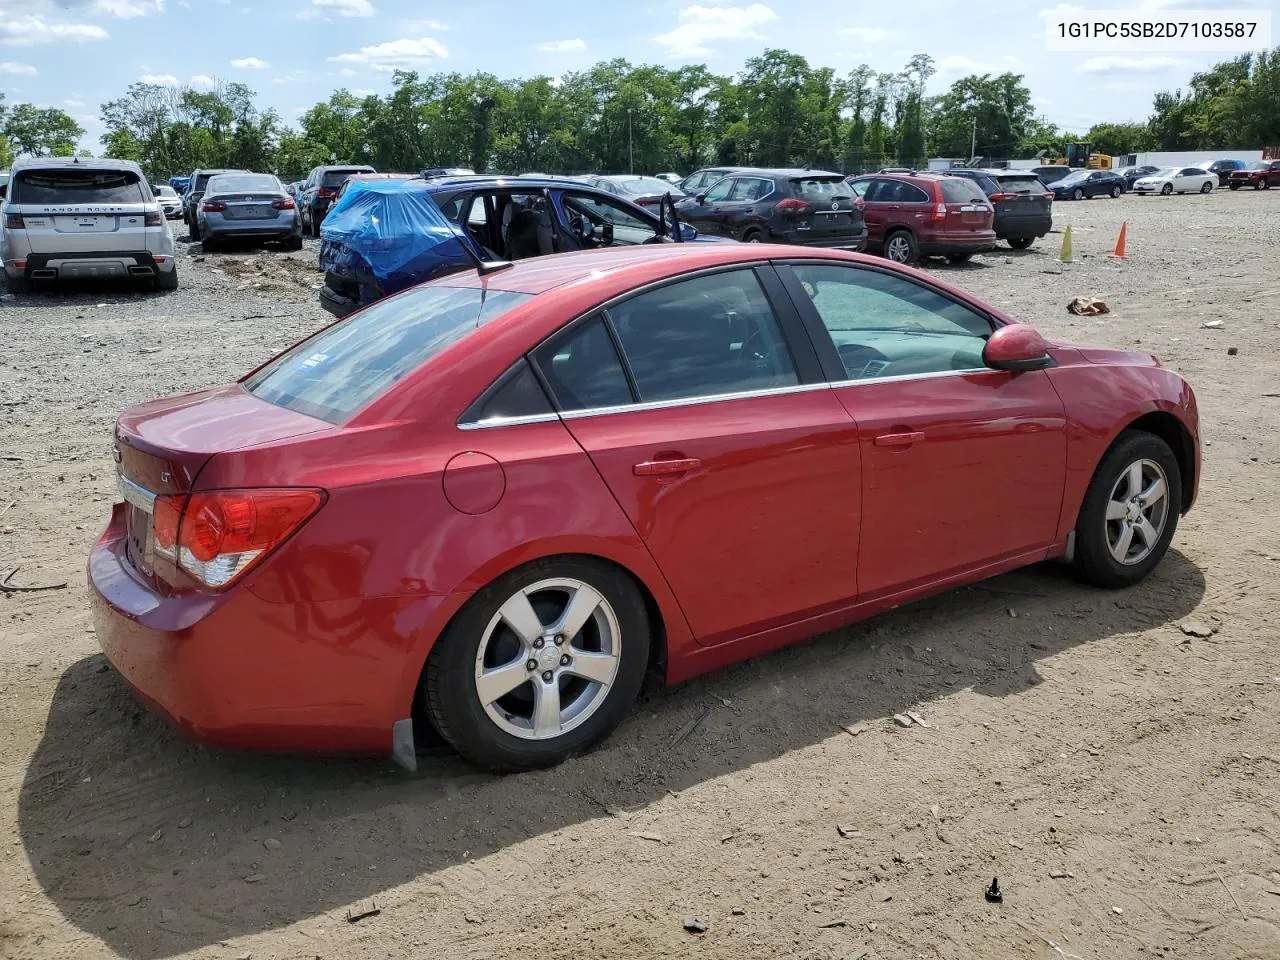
939 212
213 206
1002 196
13 221
153 218
324 194
793 205
218 535
285 204
1047 196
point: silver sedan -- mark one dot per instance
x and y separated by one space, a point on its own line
248 206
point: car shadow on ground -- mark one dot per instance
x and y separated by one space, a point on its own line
158 846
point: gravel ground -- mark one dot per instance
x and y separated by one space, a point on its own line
1117 775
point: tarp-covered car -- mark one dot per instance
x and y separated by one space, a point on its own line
385 236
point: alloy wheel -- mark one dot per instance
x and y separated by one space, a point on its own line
548 659
898 249
1137 511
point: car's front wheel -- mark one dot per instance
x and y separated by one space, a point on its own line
1115 193
1077 194
1130 511
541 664
1233 186
1020 243
1206 188
1166 189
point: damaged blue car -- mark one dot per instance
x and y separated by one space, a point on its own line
385 236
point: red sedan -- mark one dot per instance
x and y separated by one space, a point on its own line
495 502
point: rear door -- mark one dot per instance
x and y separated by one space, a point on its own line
86 210
967 209
1022 198
734 462
877 205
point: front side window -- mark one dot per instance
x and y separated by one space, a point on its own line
339 370
603 222
703 337
884 325
720 191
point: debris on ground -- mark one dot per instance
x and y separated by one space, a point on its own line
695 924
654 837
847 831
917 719
902 720
994 894
1087 307
855 729
373 911
1196 628
687 730
1212 324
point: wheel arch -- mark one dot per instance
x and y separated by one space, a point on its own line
661 627
1174 432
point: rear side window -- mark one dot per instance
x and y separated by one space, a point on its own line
338 371
898 191
582 368
703 337
516 394
818 189
77 186
1020 185
960 190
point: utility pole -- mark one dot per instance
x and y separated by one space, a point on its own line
973 139
631 154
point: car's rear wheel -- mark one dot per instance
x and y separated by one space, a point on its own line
541 664
19 284
1020 243
1115 193
167 281
1206 188
195 230
1077 194
958 258
753 236
901 247
293 243
1266 184
1130 511
1166 189
315 226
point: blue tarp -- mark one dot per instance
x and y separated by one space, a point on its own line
390 232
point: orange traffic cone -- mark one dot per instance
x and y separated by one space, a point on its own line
1124 232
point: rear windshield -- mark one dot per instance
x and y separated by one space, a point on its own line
77 186
960 190
164 190
335 178
817 189
338 371
243 182
1010 183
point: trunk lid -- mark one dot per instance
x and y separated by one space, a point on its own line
161 446
250 206
967 207
832 208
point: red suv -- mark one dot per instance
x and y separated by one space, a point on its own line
914 215
1261 176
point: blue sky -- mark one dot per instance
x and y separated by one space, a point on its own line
76 54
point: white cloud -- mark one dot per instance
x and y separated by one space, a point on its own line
202 80
395 54
73 103
363 92
19 69
348 72
867 34
562 46
1128 65
425 26
29 31
960 65
123 9
701 25
250 63
343 8
160 79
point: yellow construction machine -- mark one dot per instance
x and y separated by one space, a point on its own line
1081 155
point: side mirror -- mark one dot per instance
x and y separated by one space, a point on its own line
701 198
1017 347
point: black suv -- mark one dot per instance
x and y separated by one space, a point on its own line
321 189
700 181
808 207
1024 210
195 193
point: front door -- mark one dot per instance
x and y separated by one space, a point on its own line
707 214
962 466
741 478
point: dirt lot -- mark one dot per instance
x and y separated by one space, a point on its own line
1119 777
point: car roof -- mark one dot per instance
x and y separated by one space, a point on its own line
76 163
438 184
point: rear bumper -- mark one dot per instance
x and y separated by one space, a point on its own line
944 246
228 670
93 265
338 304
1018 228
854 240
228 229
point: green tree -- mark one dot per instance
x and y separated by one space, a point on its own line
41 131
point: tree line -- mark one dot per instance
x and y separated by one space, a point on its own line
779 110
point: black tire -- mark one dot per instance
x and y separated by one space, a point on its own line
1077 194
293 243
449 687
1166 189
753 236
195 230
1233 186
959 258
167 281
315 226
901 247
209 245
1207 188
1115 193
1266 184
1021 243
18 284
1094 562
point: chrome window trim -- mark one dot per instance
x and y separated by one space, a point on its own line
140 497
715 398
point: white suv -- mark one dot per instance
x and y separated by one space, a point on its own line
68 218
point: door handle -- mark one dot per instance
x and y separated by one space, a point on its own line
665 468
899 439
